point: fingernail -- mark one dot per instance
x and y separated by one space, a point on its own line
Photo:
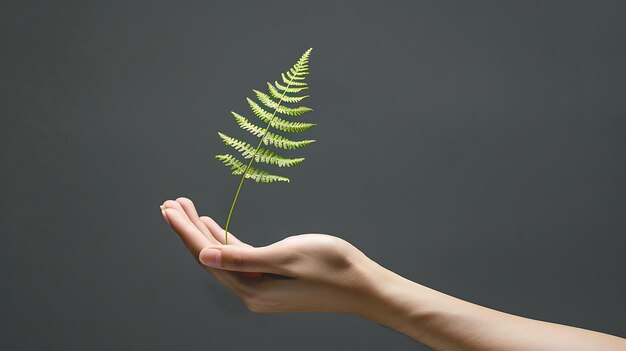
164 214
162 207
211 257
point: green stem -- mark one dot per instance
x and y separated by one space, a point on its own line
243 176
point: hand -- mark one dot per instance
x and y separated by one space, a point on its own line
323 273
308 272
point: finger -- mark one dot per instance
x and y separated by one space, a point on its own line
163 214
218 232
241 258
182 207
189 208
176 205
226 278
189 234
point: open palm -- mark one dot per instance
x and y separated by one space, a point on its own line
307 272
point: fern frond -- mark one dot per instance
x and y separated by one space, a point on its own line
291 81
278 95
278 123
255 174
275 100
267 101
284 143
293 75
262 155
270 138
289 90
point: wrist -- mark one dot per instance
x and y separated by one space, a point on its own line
403 305
390 299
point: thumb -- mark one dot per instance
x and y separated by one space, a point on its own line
241 258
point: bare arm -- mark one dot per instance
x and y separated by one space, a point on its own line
323 273
447 323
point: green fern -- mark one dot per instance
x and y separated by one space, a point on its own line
266 110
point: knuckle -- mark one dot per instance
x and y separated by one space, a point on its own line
338 243
329 242
340 253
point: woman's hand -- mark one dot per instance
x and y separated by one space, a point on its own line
323 273
308 272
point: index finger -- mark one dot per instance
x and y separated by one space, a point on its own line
188 233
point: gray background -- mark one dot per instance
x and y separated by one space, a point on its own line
474 147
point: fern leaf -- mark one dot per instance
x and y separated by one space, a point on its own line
255 174
284 143
277 122
291 81
262 155
276 100
278 95
270 138
289 90
295 75
267 101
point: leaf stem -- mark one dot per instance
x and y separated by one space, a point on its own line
243 176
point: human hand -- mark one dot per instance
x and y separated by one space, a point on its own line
301 273
323 273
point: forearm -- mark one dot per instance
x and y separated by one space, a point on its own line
447 323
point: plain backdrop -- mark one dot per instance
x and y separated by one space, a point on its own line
477 148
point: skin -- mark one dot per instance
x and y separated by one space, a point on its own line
324 273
